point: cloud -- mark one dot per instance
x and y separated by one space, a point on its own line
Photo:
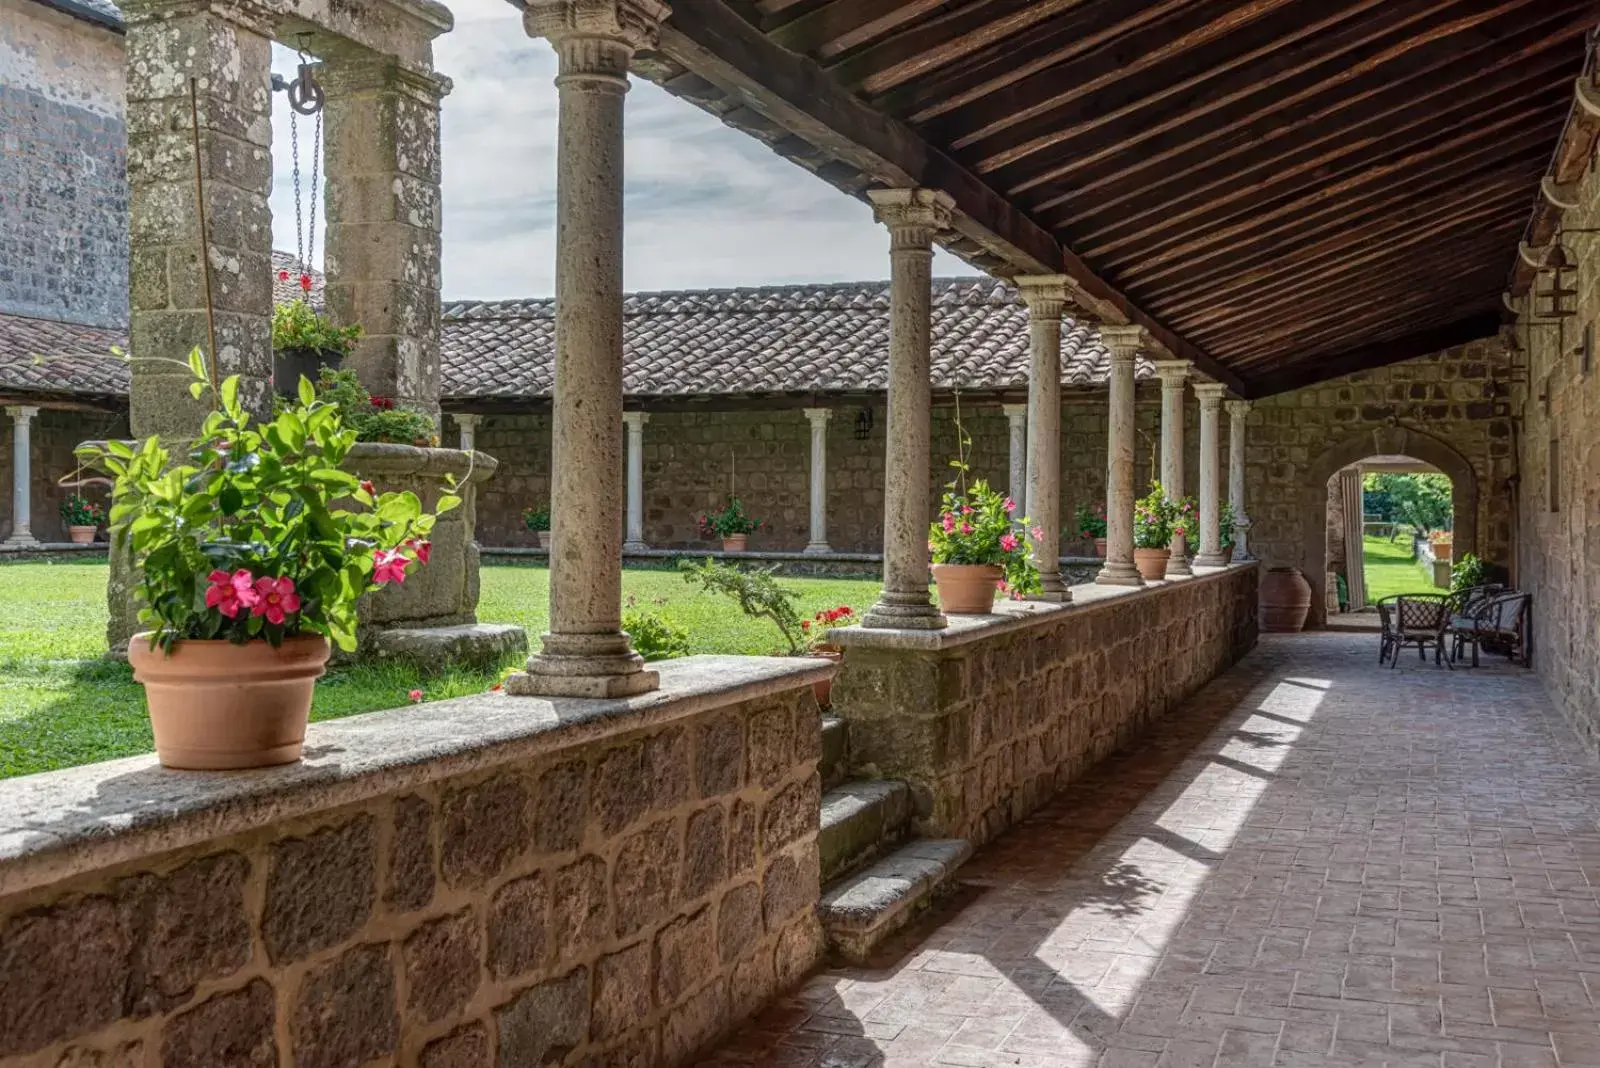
705 205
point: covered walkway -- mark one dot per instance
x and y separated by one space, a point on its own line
1318 862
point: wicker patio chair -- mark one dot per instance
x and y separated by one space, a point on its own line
1503 619
1463 608
1386 634
1421 620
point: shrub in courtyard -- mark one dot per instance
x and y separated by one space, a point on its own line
652 636
536 519
756 591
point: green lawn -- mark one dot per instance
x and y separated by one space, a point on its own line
1390 569
61 704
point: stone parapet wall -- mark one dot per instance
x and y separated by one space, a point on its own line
988 720
489 881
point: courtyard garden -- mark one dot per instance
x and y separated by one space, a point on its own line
1391 568
63 704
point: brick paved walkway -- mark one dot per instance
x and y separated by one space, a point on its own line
1321 862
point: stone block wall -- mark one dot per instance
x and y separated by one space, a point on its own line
63 183
56 432
987 729
1558 490
691 458
623 899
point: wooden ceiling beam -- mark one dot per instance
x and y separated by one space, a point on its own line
1369 357
710 40
1309 355
841 25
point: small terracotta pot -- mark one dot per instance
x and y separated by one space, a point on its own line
81 535
544 539
216 706
1152 563
1100 548
967 589
822 689
735 543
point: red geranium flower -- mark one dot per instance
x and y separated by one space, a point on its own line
283 276
305 282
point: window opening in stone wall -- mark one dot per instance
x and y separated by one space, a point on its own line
1555 474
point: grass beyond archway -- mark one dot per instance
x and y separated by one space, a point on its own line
1390 568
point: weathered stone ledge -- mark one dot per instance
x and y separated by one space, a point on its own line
1017 615
749 554
67 823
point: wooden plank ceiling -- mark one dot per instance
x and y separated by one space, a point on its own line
1284 190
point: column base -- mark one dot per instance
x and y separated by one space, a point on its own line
21 541
1210 561
818 548
1119 575
1178 566
1052 589
635 547
584 665
903 613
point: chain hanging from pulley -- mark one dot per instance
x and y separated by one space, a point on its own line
306 97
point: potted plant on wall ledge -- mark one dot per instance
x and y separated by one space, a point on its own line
1155 520
538 521
1091 525
732 524
980 548
82 518
252 548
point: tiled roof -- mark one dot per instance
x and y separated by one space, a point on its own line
44 356
768 339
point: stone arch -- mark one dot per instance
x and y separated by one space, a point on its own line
1390 440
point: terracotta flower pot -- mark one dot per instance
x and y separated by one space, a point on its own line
1100 548
1285 600
822 689
1152 563
967 589
544 539
735 543
218 706
81 535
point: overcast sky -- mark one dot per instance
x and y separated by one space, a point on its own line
706 205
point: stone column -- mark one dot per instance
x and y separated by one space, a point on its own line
1017 425
586 653
1173 375
635 540
913 216
21 476
1210 394
819 479
1046 296
1238 412
469 430
381 156
226 48
1124 343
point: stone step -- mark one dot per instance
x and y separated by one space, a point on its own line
859 821
835 751
859 912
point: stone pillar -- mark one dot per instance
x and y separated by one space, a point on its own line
1238 412
913 216
381 157
226 48
469 430
1210 394
21 476
1046 296
635 540
819 417
1124 343
1173 375
586 653
1017 425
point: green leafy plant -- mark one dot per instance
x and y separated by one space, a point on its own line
254 530
377 419
536 519
1089 521
78 511
652 636
297 327
979 525
758 595
1225 524
1156 519
1422 501
733 519
1467 572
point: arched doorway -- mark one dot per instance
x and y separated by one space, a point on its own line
1382 441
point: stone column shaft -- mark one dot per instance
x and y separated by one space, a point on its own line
913 217
1173 375
635 540
21 476
1046 296
1124 343
818 542
381 152
586 654
1210 394
1017 469
1238 412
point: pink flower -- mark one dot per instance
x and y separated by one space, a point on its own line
275 599
1010 505
966 509
368 488
389 566
949 523
1038 533
230 593
423 549
415 695
966 528
1008 541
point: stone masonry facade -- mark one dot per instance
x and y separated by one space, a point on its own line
986 731
56 432
624 900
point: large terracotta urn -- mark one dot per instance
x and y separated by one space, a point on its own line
1285 600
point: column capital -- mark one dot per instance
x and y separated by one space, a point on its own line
354 71
467 419
1016 413
818 416
1124 342
596 38
1173 373
21 413
1238 409
1045 294
636 419
913 216
1210 393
